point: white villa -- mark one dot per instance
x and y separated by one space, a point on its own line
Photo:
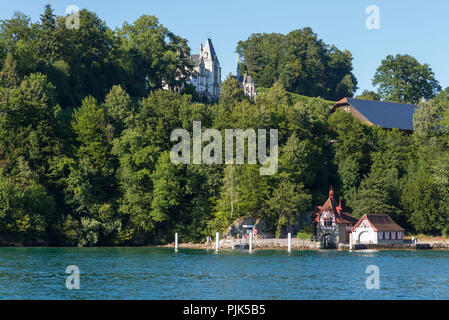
206 72
206 75
377 228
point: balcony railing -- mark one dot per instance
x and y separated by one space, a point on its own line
327 228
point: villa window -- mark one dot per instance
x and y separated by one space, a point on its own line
381 235
328 222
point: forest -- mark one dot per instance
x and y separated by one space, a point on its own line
85 136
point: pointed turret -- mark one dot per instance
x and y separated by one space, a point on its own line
339 208
210 48
331 193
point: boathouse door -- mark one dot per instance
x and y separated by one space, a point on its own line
364 237
328 241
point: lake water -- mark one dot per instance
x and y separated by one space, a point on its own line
160 273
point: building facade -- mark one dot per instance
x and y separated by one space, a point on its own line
206 75
333 226
246 83
377 228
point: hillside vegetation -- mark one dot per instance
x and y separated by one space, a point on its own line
85 144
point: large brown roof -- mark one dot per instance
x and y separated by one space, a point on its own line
380 222
346 218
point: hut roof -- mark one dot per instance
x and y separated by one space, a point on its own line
380 222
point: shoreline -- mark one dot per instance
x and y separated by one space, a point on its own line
281 244
266 244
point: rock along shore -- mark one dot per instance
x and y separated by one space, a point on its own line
298 244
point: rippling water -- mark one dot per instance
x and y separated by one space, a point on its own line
159 273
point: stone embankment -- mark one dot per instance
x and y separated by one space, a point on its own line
402 246
257 244
273 244
298 244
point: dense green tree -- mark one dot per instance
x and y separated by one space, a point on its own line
377 194
227 208
350 178
91 186
420 200
442 98
17 28
8 74
89 52
243 193
25 206
402 78
157 57
190 89
427 120
288 203
302 61
352 138
48 44
90 126
28 126
119 109
369 95
231 92
392 149
168 191
137 159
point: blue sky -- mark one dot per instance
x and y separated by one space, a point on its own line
415 27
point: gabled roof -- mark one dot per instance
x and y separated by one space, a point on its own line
384 114
331 205
345 217
245 79
380 222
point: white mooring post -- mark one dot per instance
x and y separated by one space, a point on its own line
176 242
289 242
350 241
217 241
251 241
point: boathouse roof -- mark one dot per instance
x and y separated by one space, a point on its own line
380 222
332 205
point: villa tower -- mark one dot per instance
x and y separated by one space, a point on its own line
207 72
